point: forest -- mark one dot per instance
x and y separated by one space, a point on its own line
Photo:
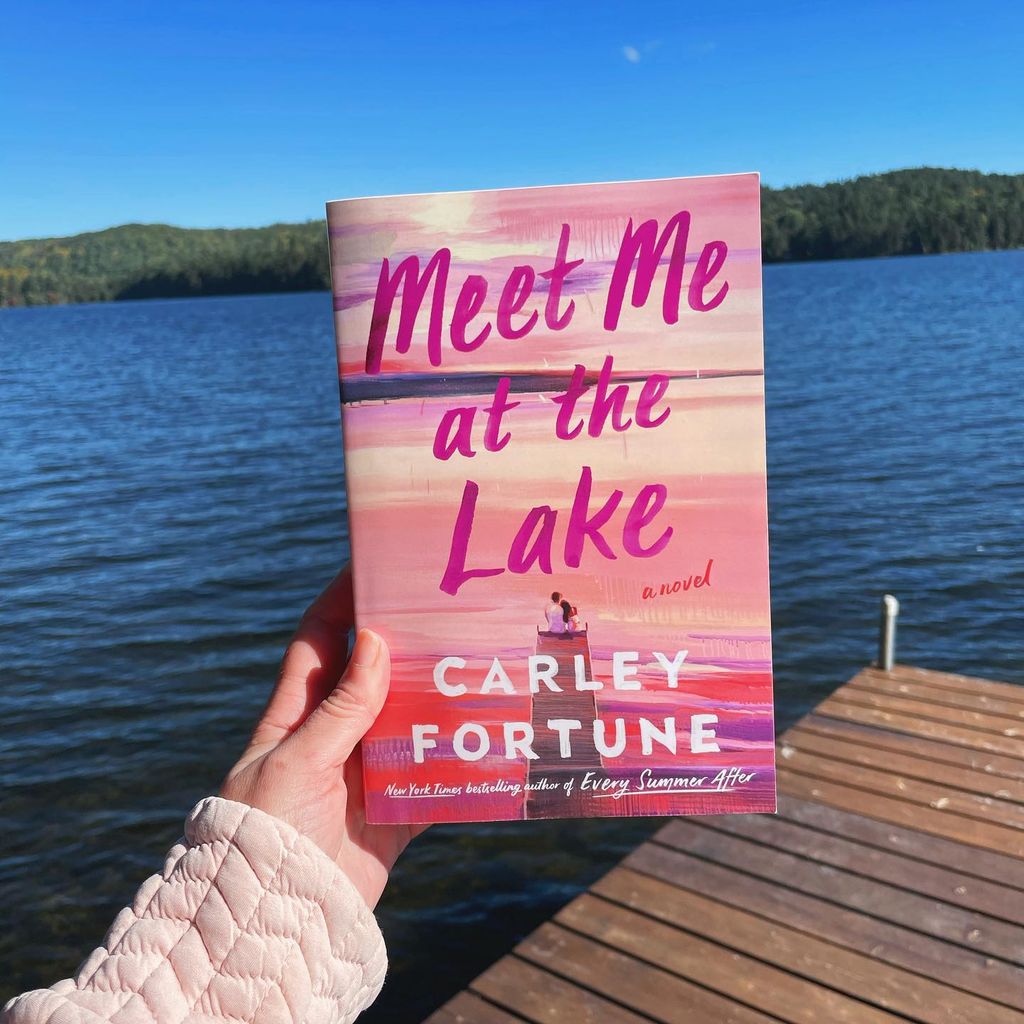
899 213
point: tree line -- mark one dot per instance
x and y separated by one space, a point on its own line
925 210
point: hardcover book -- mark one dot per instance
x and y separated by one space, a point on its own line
553 421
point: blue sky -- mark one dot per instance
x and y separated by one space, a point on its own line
221 113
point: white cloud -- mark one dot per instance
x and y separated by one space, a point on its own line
632 54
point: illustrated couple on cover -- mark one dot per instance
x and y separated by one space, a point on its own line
561 616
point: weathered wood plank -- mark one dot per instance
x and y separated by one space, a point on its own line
841 851
998 765
947 733
844 748
652 990
544 998
838 749
743 978
856 974
884 682
900 812
981 720
469 1008
866 895
938 796
954 681
883 941
910 842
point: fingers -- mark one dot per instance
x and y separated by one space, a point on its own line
330 734
313 662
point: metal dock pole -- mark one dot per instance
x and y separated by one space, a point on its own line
887 633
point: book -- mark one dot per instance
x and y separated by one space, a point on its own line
553 422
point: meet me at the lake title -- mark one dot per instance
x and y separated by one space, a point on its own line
640 255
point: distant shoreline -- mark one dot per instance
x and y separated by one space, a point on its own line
927 211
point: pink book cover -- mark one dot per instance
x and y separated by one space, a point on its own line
553 420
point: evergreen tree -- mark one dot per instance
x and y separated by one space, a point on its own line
926 210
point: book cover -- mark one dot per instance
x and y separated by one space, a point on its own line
553 420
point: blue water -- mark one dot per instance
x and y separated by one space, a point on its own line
171 496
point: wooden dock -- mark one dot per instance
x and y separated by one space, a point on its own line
889 887
569 703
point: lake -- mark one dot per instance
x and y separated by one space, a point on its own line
171 494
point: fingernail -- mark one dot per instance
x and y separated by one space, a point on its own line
366 648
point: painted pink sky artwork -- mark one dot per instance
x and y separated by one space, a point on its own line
560 390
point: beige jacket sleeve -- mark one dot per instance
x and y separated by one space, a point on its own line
249 921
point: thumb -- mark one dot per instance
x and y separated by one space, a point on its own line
341 719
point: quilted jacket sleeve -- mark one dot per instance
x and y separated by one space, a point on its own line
248 922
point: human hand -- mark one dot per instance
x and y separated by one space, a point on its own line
302 764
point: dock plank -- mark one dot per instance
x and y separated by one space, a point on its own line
936 880
954 681
860 975
913 725
983 721
545 998
889 943
889 887
885 682
612 968
469 1008
873 737
745 979
901 812
910 842
839 748
836 885
939 796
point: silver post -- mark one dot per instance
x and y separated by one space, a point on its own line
887 633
